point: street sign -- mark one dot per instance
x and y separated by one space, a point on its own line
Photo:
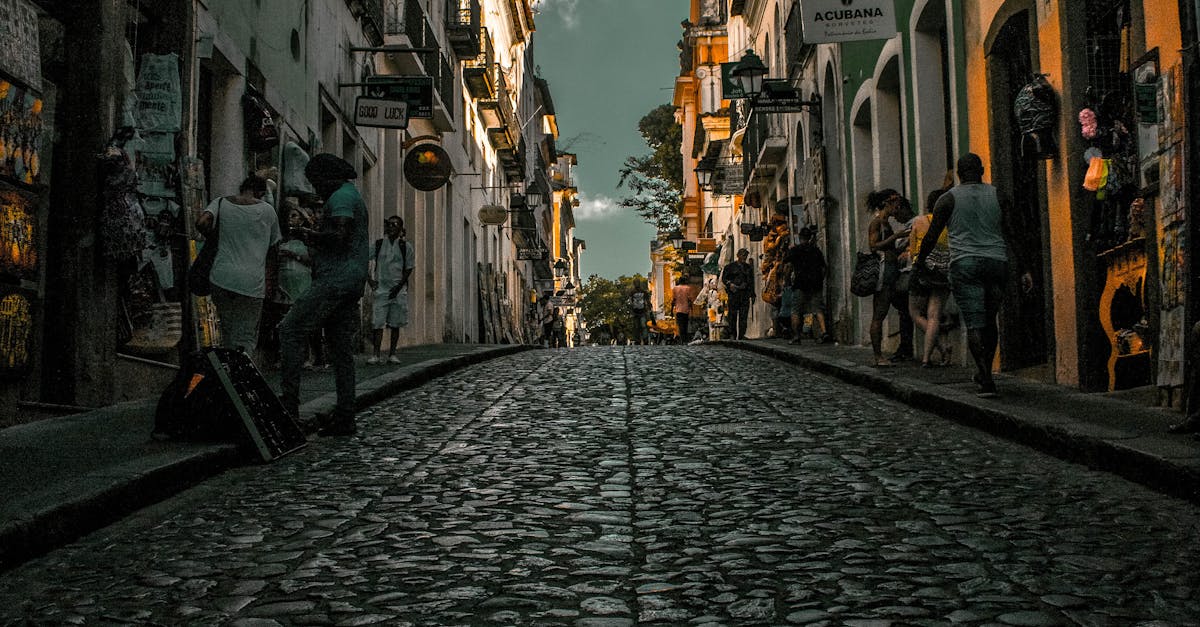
493 215
531 254
833 21
380 113
417 91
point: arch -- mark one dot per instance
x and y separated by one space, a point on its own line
838 210
933 95
1000 19
888 126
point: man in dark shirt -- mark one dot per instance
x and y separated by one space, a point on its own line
978 261
341 254
806 265
738 278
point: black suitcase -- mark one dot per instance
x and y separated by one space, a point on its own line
220 396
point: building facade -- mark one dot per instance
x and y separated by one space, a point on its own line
181 99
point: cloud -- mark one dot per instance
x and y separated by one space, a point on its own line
598 208
567 10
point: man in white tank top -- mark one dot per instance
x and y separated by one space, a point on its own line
978 261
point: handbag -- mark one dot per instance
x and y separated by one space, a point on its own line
199 283
868 271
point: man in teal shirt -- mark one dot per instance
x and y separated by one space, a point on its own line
340 253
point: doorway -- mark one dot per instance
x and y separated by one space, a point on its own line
1024 319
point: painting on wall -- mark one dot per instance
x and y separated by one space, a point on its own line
18 235
20 134
16 330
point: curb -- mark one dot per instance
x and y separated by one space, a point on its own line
116 497
1117 454
116 493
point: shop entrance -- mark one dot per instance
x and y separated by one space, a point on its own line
1023 319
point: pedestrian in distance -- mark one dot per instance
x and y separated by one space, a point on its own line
901 221
639 303
295 269
973 212
558 329
806 266
249 233
682 296
738 279
393 261
882 238
341 255
930 289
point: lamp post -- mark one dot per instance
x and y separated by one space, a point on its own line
676 238
560 268
704 172
749 73
533 197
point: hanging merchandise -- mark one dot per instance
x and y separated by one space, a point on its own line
1036 109
1089 126
294 183
159 97
123 226
1097 175
261 131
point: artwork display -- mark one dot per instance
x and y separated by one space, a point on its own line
18 235
20 134
16 330
20 48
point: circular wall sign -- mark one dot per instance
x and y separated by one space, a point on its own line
493 215
427 167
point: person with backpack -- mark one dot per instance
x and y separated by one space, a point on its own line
639 301
806 265
393 267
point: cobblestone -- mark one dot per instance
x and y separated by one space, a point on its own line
613 486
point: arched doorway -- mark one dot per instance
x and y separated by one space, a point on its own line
932 98
890 166
1025 336
862 151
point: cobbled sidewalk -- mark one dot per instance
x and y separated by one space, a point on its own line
67 476
604 487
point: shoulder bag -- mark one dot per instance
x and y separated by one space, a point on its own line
199 282
868 272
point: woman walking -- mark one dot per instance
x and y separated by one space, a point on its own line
930 288
881 239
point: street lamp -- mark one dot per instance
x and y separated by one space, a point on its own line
560 268
704 172
749 73
533 196
676 238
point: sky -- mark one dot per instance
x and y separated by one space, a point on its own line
608 62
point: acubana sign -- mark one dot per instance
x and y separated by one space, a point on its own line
833 21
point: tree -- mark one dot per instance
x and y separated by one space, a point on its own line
656 179
604 302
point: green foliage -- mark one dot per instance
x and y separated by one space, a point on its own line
606 302
656 180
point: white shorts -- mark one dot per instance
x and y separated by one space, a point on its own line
389 313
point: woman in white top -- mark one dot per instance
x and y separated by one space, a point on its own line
248 229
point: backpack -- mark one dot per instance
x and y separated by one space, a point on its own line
638 300
403 254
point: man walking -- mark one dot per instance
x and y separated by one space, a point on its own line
639 300
738 278
972 214
393 266
340 270
806 265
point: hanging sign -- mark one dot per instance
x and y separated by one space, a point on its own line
730 89
493 215
832 21
159 95
427 167
417 91
532 254
380 113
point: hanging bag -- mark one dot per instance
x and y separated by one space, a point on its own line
199 283
868 271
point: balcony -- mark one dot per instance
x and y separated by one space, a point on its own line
405 25
499 117
479 73
764 148
373 21
794 41
462 27
512 161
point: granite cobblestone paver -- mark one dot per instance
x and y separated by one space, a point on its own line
617 486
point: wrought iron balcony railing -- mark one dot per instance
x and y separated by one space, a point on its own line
462 27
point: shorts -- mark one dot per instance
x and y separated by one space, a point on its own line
808 302
978 287
389 312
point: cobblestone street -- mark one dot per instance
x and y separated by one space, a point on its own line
595 486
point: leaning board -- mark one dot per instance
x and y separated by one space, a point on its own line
272 430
